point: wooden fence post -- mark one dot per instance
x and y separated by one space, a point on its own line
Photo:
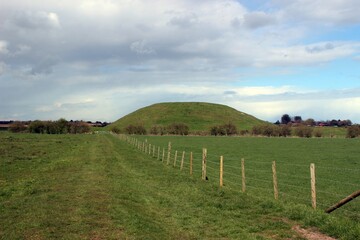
149 148
313 185
158 155
169 152
276 192
175 158
204 164
163 155
243 174
191 163
182 160
221 170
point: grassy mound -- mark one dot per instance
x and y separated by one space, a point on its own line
198 116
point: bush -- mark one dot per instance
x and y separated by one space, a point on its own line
115 129
158 130
266 130
225 129
353 131
318 133
79 127
284 130
17 127
37 127
132 129
304 131
178 129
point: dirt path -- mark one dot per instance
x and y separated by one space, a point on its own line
311 234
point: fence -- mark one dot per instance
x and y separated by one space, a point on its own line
283 181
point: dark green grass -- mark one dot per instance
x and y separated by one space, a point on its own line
98 187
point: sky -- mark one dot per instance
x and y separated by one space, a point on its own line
99 60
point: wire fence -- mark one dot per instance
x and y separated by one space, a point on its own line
280 180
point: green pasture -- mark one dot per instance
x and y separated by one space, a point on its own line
337 165
100 187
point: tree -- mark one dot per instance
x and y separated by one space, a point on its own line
62 126
310 122
297 119
285 119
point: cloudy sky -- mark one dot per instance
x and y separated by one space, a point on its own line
102 59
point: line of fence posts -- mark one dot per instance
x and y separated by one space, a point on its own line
146 148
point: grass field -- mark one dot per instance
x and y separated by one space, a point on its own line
99 187
337 164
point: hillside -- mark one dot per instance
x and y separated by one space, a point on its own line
199 116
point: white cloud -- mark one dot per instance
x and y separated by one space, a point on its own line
3 47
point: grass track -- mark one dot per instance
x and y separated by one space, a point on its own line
98 187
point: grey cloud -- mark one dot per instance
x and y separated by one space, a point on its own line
230 92
258 19
236 22
141 47
320 48
184 20
36 20
45 66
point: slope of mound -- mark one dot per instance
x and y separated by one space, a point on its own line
198 116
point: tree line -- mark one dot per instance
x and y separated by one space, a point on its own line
287 119
60 126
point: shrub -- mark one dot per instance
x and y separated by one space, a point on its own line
303 131
318 133
178 129
158 130
79 127
37 127
17 127
353 131
284 130
132 129
115 129
230 129
225 129
217 131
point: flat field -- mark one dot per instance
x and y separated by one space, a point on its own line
100 187
337 166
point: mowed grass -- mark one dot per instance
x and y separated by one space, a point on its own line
98 187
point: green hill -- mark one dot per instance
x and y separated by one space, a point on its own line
199 116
